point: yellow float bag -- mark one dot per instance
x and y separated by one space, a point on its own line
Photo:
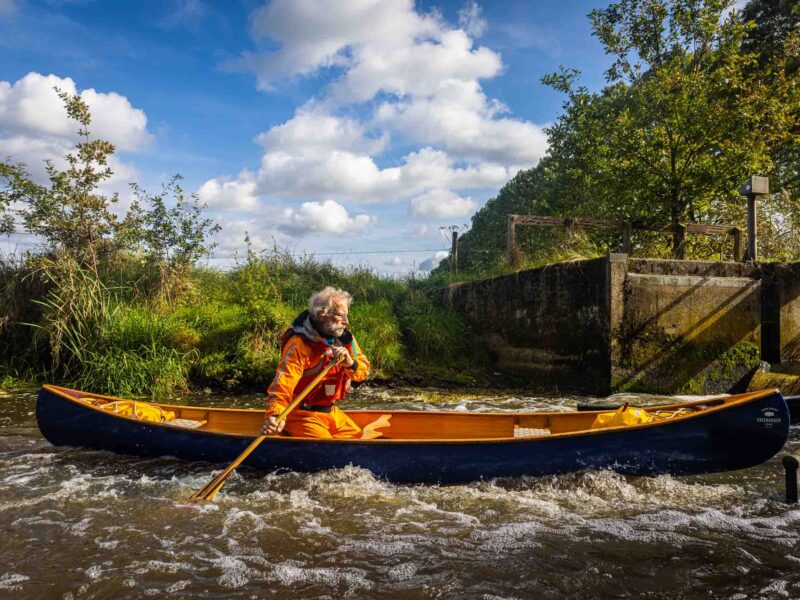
139 410
623 416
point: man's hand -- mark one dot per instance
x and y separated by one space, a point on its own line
341 353
271 426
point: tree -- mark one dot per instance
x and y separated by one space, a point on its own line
169 240
69 213
698 97
685 118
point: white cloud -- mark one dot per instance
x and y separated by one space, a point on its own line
415 69
324 217
470 20
316 132
313 34
32 107
432 262
441 204
464 122
395 261
423 78
228 195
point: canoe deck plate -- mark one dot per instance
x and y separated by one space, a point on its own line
530 432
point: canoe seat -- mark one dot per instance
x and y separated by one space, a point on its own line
530 432
187 423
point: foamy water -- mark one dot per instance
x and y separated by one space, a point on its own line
87 524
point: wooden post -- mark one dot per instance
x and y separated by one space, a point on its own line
454 254
626 238
679 251
790 464
570 223
737 234
511 239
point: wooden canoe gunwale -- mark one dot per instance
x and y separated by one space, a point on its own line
722 403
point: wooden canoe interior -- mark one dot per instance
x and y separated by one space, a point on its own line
417 425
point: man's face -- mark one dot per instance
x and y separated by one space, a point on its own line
335 322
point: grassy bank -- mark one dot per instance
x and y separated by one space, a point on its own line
116 330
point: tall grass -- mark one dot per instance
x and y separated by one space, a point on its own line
433 334
378 333
104 333
97 342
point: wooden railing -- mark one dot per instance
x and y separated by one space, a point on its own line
680 230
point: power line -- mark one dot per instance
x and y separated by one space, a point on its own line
221 257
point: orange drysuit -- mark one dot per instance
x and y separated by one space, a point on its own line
303 355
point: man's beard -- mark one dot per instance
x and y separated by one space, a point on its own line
330 329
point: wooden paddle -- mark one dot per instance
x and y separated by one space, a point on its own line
212 487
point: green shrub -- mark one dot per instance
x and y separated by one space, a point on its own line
378 333
154 370
434 334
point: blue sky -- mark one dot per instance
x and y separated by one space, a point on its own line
322 126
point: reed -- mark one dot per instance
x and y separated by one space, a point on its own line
433 334
378 333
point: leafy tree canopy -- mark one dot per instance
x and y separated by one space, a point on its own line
695 102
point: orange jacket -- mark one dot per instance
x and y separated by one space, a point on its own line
303 355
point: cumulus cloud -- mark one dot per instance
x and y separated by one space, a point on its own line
470 20
228 195
395 75
395 261
441 204
430 263
464 122
34 127
31 107
313 34
324 217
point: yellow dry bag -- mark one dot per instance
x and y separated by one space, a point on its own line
139 410
623 416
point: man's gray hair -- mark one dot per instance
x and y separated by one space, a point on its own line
321 303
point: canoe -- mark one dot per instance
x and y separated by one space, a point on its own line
793 402
442 447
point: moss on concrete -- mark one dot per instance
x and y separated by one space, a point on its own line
786 377
724 369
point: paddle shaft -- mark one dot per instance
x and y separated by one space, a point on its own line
212 487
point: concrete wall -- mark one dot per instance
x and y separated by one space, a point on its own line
687 326
548 325
616 323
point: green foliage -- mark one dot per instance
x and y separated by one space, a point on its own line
695 103
99 343
434 334
151 370
68 213
378 334
168 241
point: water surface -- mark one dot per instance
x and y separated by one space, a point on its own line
87 524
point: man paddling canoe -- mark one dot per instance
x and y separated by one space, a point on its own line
318 336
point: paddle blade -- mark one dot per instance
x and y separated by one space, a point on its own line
370 431
212 487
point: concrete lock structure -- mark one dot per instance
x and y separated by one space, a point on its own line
626 324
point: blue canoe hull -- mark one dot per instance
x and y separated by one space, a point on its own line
734 438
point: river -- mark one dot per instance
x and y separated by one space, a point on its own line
86 524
